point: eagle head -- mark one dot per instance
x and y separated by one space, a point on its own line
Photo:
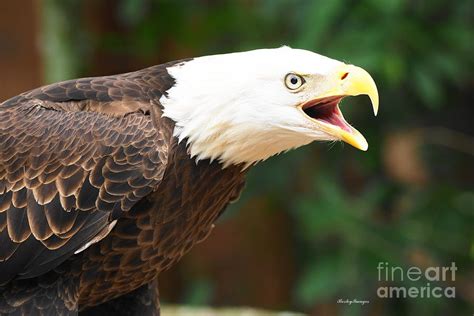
242 108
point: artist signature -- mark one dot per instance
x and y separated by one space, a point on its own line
352 301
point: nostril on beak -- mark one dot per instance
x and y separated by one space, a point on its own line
344 76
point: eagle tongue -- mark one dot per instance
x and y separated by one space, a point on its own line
335 117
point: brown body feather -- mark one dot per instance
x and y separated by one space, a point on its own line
78 155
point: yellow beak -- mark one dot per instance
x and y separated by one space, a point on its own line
357 82
351 81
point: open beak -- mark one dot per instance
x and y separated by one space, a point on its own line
347 80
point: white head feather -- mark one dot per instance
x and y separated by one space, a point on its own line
236 107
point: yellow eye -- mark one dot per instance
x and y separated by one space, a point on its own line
293 81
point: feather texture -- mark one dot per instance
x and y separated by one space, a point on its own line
71 149
79 155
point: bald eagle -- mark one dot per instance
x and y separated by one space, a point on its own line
106 181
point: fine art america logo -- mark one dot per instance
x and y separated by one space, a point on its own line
431 279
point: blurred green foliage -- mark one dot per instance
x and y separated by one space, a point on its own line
409 200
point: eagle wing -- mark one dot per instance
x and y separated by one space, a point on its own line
73 157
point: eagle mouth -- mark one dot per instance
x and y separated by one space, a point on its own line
328 123
327 110
326 113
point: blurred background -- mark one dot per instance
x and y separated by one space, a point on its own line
313 224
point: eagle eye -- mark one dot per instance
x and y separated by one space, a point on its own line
293 81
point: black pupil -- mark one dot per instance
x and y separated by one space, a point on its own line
294 80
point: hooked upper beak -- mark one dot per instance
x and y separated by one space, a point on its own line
346 80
